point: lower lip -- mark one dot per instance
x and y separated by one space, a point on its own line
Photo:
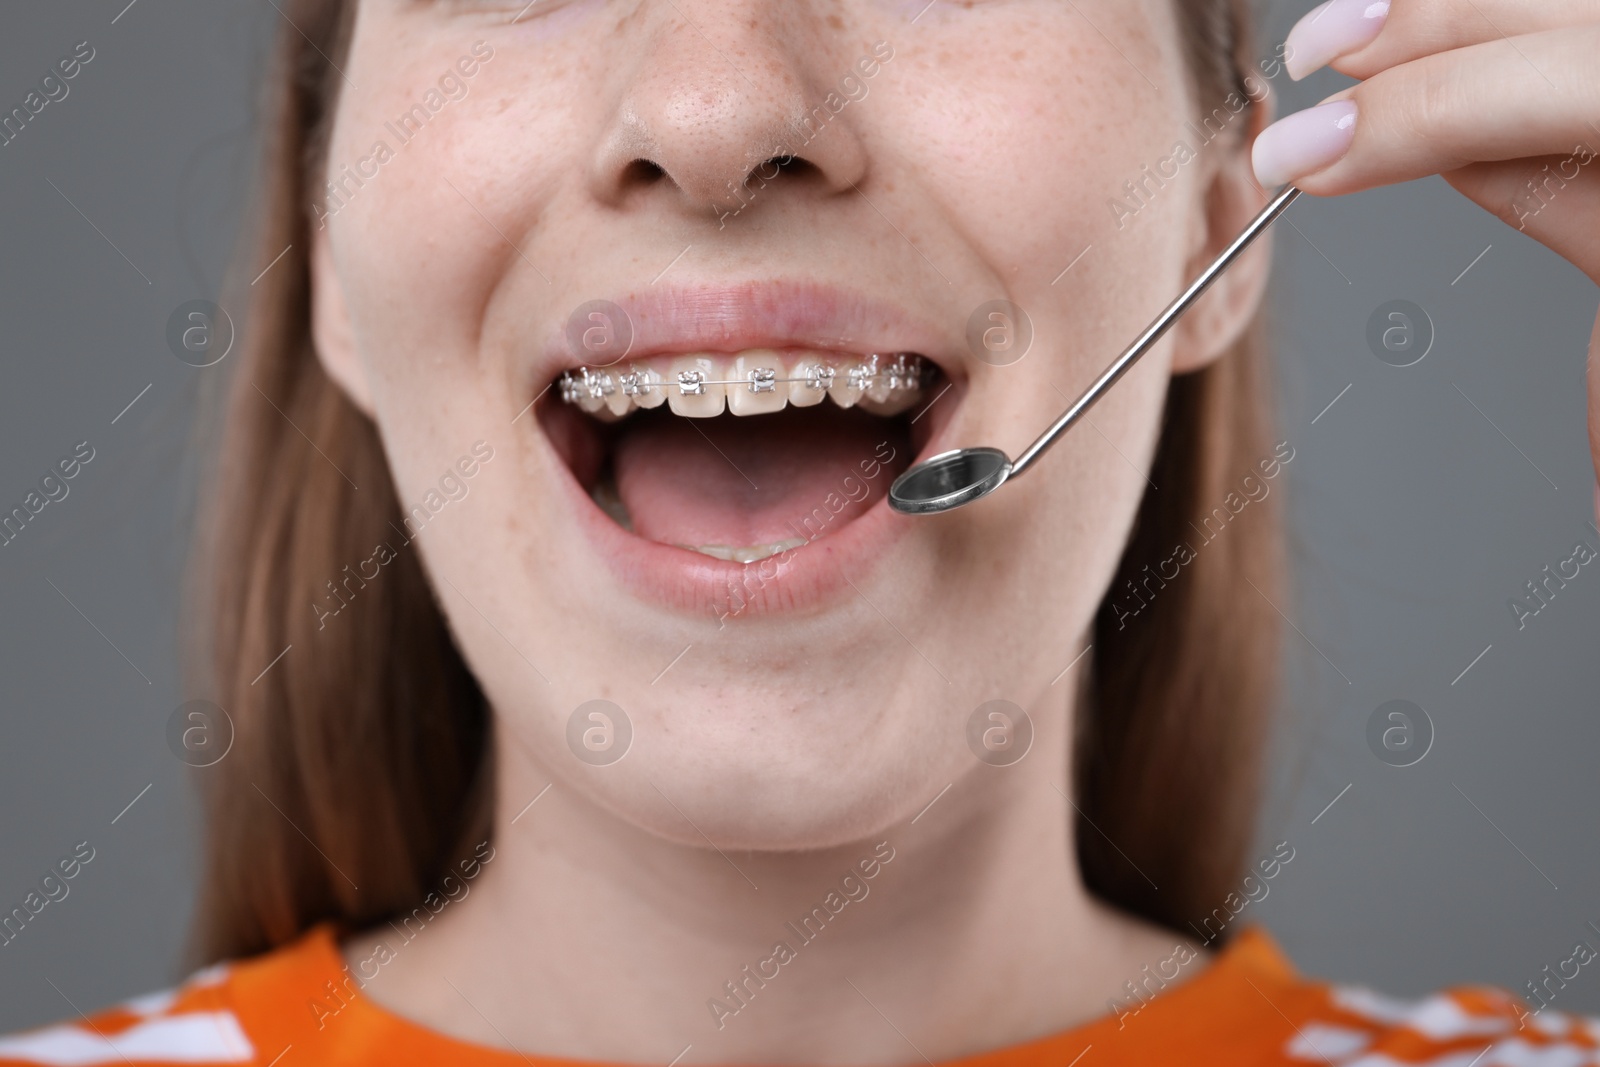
805 579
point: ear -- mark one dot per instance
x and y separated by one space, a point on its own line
331 331
1230 198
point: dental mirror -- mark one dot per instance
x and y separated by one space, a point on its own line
951 479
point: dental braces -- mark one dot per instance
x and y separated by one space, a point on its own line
907 370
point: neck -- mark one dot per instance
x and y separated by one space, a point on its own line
964 929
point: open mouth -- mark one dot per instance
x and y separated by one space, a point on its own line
742 456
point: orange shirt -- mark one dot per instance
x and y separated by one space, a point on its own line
1247 1007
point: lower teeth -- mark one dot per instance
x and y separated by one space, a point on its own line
604 494
751 554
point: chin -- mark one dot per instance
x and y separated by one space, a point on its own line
762 800
762 772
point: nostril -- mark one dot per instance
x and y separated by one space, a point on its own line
776 165
722 188
785 167
643 172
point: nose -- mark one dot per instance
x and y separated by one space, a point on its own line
725 96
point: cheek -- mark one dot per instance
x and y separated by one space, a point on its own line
463 194
1025 145
1025 149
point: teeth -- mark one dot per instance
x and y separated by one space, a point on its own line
690 391
647 391
760 368
594 389
618 403
750 554
813 376
851 385
877 387
757 382
897 402
896 389
604 493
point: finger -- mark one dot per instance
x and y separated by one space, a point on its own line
1506 99
1362 37
1554 200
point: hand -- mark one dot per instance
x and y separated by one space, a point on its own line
1500 97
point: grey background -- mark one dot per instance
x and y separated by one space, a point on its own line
1415 520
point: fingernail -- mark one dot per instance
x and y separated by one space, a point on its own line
1331 30
1304 143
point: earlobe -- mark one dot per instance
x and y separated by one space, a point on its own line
1231 199
331 331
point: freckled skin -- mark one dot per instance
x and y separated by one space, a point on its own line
973 169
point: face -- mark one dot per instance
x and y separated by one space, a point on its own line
726 188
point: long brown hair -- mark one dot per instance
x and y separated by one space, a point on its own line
361 771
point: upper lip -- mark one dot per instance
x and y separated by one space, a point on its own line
781 313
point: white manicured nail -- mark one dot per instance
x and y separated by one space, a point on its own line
1304 143
1331 30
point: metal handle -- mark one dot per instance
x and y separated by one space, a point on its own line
1156 329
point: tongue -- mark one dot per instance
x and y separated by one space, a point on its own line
798 474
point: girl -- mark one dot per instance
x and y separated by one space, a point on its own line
615 717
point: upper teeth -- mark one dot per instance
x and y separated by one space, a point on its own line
752 383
